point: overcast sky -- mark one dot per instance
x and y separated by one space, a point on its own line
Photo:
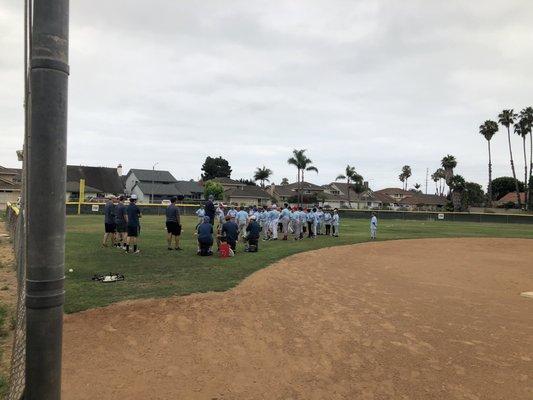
376 84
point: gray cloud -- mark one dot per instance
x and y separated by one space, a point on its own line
375 84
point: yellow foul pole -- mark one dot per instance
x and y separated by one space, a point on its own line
82 195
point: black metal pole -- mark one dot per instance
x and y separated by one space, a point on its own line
46 199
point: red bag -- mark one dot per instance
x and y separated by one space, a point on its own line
224 249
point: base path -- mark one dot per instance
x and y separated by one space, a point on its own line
408 319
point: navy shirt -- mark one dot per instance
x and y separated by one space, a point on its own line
210 210
231 231
173 214
133 214
120 213
205 232
253 230
109 212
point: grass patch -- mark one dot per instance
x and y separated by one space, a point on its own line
158 272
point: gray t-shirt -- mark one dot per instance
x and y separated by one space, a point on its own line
109 212
173 214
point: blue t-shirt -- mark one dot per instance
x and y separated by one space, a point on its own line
109 211
120 213
205 232
133 214
242 216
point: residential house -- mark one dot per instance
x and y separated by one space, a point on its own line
246 195
151 185
228 183
412 201
190 190
341 195
99 182
289 193
10 186
511 198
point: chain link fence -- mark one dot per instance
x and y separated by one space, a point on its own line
15 227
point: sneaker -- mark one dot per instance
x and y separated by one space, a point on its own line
169 248
137 251
178 248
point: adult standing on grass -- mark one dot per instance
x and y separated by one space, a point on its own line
274 219
173 223
200 213
285 218
205 237
327 222
242 219
120 222
253 231
109 221
373 227
335 222
133 214
210 209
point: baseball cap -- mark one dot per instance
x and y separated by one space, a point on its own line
133 197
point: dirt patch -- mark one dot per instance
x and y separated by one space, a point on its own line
410 319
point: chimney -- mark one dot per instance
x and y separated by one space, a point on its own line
365 185
272 188
119 170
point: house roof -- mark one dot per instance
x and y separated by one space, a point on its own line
189 187
426 199
150 175
74 187
6 184
247 191
291 188
390 191
104 180
511 197
226 181
158 189
384 198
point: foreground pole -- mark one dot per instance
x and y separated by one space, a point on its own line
46 199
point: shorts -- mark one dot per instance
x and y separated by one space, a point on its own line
133 231
173 228
121 227
110 228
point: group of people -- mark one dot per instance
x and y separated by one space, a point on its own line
223 225
228 224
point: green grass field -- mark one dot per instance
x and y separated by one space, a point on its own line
158 272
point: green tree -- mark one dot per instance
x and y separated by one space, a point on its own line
213 188
351 177
457 186
522 129
215 168
406 174
503 185
284 181
262 174
448 163
473 194
527 115
302 164
507 118
488 129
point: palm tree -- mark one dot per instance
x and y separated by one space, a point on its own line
417 186
457 185
401 177
488 129
435 178
406 172
527 115
507 118
448 163
522 129
351 176
284 181
302 163
262 174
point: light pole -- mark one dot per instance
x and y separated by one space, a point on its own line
153 173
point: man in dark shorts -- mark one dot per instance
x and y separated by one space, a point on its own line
132 218
230 231
109 221
120 222
173 223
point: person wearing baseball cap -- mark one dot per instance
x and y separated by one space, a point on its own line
253 232
133 214
109 221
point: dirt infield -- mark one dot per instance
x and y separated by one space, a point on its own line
409 319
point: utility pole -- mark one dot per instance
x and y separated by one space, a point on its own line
153 173
427 172
45 208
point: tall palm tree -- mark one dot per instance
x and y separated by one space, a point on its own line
284 181
522 129
527 115
435 178
488 129
507 118
262 174
448 164
406 172
302 163
401 177
351 176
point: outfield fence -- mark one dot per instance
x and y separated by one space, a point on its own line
15 227
190 209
